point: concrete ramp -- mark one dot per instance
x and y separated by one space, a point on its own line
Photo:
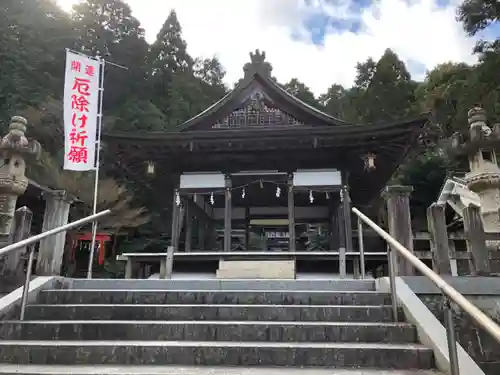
256 269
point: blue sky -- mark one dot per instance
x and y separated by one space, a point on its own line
320 23
317 41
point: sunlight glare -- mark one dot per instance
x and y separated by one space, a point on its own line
67 4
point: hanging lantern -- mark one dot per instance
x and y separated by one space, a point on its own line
278 192
369 160
150 169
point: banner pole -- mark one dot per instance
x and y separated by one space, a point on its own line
98 153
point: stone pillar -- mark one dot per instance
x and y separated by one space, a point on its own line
484 175
15 150
51 252
12 272
398 212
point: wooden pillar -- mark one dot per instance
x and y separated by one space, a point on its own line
129 269
398 212
346 228
227 215
174 237
291 216
175 220
436 223
211 236
333 225
181 219
347 215
247 228
453 257
202 231
189 227
476 241
341 239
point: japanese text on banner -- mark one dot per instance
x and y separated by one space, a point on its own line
81 101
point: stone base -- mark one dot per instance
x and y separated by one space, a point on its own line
256 269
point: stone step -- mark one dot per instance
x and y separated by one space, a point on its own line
213 284
292 313
209 331
256 269
191 370
261 273
212 297
192 353
256 264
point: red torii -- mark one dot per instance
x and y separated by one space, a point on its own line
100 238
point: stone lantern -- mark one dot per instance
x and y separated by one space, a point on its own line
484 175
15 150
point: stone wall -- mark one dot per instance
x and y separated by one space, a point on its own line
478 343
484 292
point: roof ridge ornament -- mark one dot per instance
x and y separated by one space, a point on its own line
257 65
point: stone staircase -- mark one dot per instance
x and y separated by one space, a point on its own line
95 331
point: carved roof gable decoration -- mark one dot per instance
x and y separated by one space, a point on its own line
255 112
258 100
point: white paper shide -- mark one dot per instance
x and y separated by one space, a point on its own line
81 101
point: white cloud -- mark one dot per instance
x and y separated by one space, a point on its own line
416 30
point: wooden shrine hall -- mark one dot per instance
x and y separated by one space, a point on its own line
260 169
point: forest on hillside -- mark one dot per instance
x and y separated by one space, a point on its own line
164 86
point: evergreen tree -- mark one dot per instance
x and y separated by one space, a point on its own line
33 35
301 91
168 57
388 89
210 75
168 53
342 103
365 73
108 28
476 15
210 71
447 94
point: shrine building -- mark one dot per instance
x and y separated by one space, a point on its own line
260 171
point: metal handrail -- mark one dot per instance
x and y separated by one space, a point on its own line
450 293
29 241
